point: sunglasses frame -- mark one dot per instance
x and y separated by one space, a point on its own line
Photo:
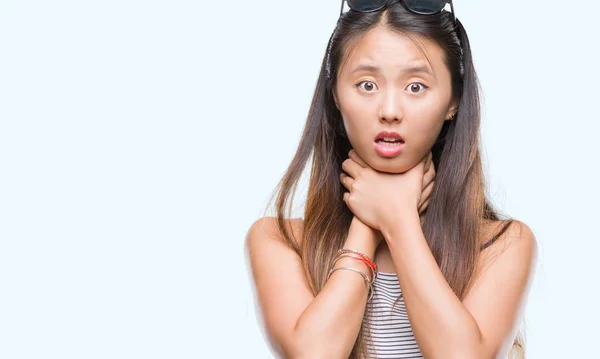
416 12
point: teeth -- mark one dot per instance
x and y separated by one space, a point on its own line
389 140
390 144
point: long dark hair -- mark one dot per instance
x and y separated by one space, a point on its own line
458 206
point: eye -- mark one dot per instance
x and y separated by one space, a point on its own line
370 85
415 85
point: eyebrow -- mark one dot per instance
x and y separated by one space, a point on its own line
411 69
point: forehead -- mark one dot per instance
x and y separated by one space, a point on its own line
394 52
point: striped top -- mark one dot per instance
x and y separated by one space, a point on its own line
391 332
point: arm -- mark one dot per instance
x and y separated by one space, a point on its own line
299 324
483 324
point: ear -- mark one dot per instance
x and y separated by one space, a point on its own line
452 110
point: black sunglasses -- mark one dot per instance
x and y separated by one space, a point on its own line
423 7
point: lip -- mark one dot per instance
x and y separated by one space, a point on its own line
388 150
388 134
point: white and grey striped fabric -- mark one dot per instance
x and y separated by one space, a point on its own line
391 332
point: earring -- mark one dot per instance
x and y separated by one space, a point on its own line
451 116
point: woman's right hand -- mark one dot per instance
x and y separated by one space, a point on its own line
375 236
428 181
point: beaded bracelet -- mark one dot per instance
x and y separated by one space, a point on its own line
358 257
367 260
369 283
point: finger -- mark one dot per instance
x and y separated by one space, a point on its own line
428 160
345 198
354 156
425 158
425 194
427 191
346 181
350 167
424 206
428 176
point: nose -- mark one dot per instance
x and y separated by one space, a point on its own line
391 107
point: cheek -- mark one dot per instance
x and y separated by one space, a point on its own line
422 130
355 126
428 130
425 125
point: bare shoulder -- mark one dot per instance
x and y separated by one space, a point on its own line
497 297
268 228
281 288
516 240
516 233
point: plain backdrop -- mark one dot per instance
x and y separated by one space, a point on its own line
139 140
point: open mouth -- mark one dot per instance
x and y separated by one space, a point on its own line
389 141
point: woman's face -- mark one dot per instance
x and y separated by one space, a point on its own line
377 91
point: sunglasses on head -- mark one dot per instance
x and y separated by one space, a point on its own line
423 7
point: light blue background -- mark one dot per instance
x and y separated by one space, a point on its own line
140 139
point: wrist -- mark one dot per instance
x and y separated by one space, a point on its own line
365 230
402 223
356 264
362 238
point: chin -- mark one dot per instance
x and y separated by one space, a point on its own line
389 165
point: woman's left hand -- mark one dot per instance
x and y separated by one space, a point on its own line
379 198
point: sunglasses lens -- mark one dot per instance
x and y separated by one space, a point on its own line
365 5
425 6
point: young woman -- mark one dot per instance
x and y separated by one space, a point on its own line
399 253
